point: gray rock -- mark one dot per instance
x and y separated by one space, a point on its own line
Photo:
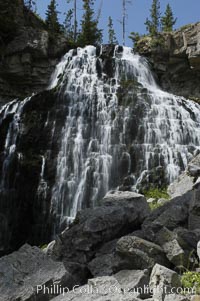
25 274
140 253
162 280
171 215
198 250
194 210
180 186
151 200
193 168
133 281
176 61
169 241
176 297
100 289
162 201
119 214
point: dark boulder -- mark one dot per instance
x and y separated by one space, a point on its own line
120 213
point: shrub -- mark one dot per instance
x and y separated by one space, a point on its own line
191 280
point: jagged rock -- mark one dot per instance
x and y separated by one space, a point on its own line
194 210
171 215
176 297
140 253
92 228
162 201
170 244
162 280
26 272
176 59
29 56
189 239
101 289
134 281
180 186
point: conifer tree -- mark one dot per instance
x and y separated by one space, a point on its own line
111 33
168 20
90 34
153 25
52 22
68 27
74 15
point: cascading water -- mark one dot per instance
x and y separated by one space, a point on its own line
116 126
14 109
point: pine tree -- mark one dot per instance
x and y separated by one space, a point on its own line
52 22
168 20
153 25
90 34
74 15
111 33
68 27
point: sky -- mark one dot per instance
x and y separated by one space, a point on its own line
186 11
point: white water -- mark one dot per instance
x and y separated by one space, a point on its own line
94 138
14 108
43 186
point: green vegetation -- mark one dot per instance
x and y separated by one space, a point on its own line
191 280
90 34
153 25
68 27
135 37
42 247
52 22
156 22
156 193
168 20
157 41
195 99
111 33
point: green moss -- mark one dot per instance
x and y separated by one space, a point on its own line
156 193
191 280
42 247
195 99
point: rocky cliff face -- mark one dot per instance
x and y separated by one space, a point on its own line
175 58
28 55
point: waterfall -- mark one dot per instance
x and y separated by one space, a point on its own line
116 126
14 110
